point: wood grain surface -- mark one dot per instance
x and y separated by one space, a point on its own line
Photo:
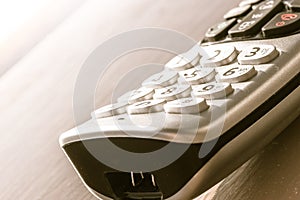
37 87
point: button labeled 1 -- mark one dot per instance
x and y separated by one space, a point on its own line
186 106
218 56
162 79
255 55
237 73
185 60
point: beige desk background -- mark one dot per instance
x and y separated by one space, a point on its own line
40 59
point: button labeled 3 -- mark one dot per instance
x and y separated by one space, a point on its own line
260 54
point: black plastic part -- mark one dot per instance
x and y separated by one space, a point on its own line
253 22
282 24
295 5
134 186
219 31
173 177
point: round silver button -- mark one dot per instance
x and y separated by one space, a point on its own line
212 90
148 106
249 2
235 12
218 56
237 73
259 54
172 92
186 106
110 110
185 60
162 79
137 95
197 76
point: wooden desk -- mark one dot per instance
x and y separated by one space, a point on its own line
36 101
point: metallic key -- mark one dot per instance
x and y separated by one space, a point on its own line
237 73
237 12
249 2
173 92
198 76
162 79
185 60
259 54
212 90
218 56
186 106
110 110
147 106
137 95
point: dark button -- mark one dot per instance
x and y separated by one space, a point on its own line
219 31
283 23
237 12
254 21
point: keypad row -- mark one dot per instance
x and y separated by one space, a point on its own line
257 18
224 55
188 82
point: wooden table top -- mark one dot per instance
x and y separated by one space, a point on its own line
39 66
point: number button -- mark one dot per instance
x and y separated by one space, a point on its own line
185 60
147 106
186 106
212 90
172 92
110 110
197 76
218 57
137 95
162 79
237 73
259 54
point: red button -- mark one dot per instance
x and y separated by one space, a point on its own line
288 16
